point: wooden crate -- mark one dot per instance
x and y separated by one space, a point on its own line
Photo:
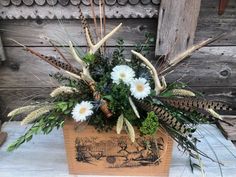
108 153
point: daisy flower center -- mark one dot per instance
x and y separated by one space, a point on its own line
140 87
82 110
122 75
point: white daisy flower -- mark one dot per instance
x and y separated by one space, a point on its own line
122 72
140 88
81 111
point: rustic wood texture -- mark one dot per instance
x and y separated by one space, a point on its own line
3 137
2 52
30 32
213 67
177 23
228 131
23 76
27 161
101 167
211 24
54 10
222 6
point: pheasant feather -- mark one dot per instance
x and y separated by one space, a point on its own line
164 116
85 25
189 104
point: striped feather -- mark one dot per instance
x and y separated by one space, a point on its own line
190 104
85 24
164 116
63 65
54 62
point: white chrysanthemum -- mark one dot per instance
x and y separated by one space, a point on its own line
140 88
81 111
122 72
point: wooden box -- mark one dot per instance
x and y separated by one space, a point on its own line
107 153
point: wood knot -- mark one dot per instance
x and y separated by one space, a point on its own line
225 73
39 21
142 27
14 66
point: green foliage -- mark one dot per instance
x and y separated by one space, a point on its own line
150 124
117 56
144 48
45 125
65 107
89 58
118 98
100 123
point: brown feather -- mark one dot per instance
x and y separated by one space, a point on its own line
85 24
62 65
164 116
190 104
54 62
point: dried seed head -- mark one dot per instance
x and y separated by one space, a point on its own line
63 90
21 110
182 92
36 114
214 114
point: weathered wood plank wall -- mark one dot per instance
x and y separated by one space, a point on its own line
177 24
211 70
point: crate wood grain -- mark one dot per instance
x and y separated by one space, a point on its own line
45 156
102 154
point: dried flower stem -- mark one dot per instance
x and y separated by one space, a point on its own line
94 18
134 107
63 90
214 114
36 114
182 92
186 53
21 110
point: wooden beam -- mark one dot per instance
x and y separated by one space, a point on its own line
2 53
176 26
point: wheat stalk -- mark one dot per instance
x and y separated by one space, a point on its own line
36 114
63 90
21 110
182 92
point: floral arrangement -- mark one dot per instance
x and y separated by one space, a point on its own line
111 90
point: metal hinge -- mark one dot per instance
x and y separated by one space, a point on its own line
2 53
